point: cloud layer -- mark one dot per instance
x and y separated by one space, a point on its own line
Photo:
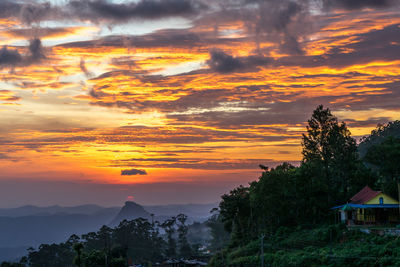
175 91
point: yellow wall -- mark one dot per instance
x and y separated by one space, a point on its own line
386 200
366 215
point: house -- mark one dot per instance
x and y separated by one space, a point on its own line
182 263
369 207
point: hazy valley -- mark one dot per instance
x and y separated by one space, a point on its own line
30 226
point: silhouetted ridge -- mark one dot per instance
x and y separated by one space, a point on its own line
130 211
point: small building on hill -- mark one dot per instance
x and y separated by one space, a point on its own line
182 263
369 207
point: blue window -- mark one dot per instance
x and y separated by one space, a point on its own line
381 200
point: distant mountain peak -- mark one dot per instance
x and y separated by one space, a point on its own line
132 204
130 211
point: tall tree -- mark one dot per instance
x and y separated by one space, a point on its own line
273 198
185 251
219 236
236 214
54 255
78 258
331 153
142 243
123 237
169 228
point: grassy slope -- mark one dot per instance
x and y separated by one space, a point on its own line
322 246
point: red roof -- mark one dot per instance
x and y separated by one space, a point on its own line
364 195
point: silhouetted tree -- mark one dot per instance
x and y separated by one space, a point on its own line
185 251
78 258
236 214
331 154
169 228
219 236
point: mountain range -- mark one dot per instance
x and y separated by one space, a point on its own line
51 210
29 225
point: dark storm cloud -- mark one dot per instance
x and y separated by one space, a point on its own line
358 4
205 98
9 9
9 58
281 21
133 172
38 32
98 10
36 50
376 45
29 12
36 12
286 12
224 63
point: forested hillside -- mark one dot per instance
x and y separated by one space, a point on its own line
136 241
301 197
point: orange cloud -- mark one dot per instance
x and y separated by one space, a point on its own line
160 102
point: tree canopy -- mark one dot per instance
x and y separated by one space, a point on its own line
135 241
329 173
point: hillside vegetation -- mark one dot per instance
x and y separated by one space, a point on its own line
290 205
321 246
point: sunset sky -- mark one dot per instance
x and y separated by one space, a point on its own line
176 101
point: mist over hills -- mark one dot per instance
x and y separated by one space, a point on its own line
198 211
30 225
34 230
191 210
19 233
55 209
